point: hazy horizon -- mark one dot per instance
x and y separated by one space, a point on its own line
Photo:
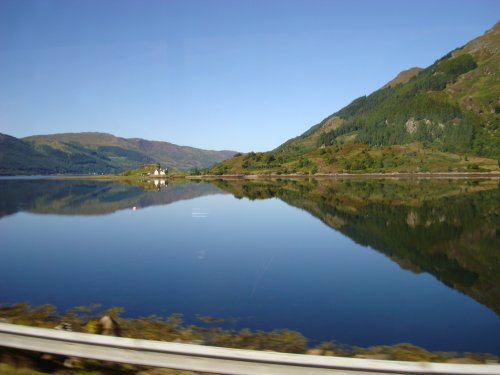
220 75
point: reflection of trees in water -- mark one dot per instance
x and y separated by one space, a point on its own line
81 197
446 228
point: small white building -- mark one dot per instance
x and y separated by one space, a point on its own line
160 172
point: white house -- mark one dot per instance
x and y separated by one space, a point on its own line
160 172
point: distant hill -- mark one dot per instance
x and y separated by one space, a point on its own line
445 117
96 153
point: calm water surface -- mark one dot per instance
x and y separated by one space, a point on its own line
363 263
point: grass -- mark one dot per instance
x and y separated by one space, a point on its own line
6 369
18 362
357 159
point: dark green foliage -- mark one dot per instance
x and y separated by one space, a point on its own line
365 104
221 169
269 159
113 151
261 160
382 118
458 65
382 122
458 138
303 162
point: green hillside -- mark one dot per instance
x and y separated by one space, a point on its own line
96 153
442 118
18 157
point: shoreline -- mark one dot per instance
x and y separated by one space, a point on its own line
389 175
378 175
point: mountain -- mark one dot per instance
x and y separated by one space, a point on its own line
96 153
445 117
19 157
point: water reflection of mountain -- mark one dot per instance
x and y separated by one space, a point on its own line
449 229
81 197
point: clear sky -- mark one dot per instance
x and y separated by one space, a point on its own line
215 74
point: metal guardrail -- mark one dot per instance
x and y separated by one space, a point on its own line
212 359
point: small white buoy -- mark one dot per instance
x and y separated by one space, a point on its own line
134 208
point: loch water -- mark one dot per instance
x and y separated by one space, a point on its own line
361 262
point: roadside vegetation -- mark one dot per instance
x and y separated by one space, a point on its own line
172 328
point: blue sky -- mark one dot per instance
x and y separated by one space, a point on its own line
215 74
